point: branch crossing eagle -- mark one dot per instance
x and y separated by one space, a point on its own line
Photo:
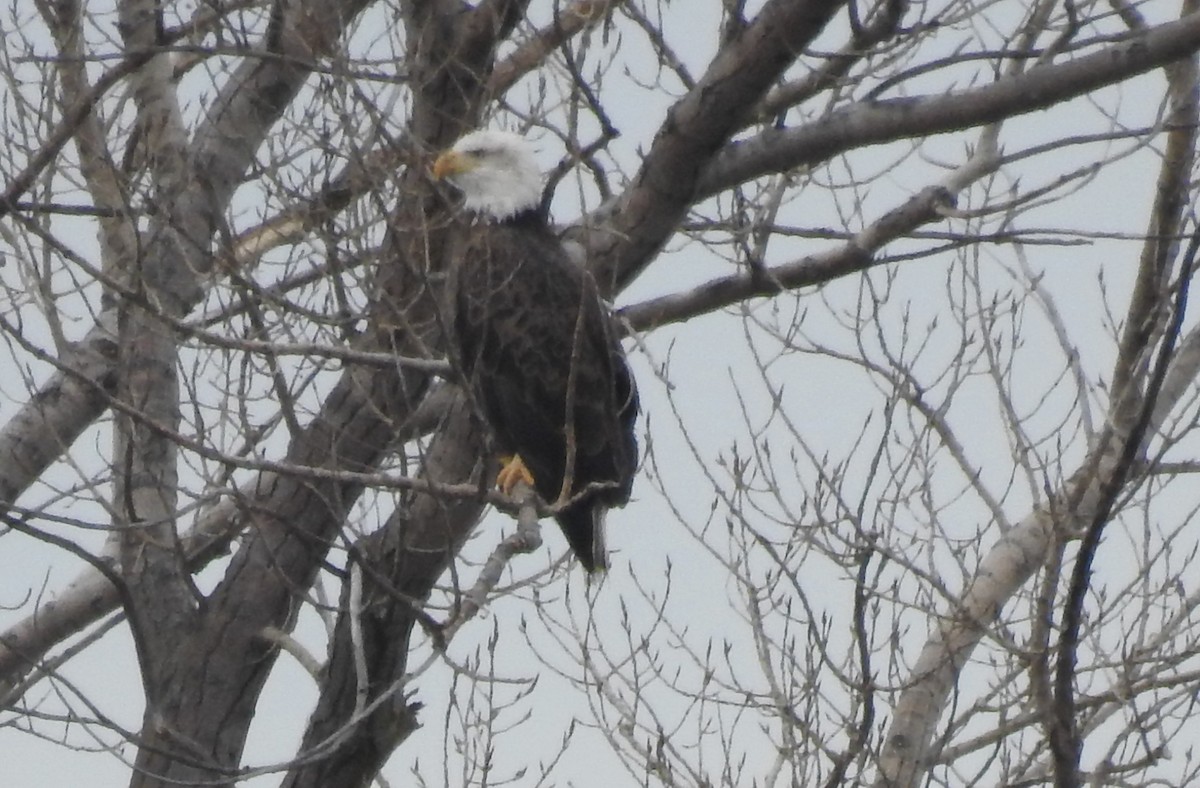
537 345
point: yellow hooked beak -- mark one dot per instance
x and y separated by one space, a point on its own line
452 162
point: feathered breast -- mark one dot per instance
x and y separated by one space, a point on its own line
544 364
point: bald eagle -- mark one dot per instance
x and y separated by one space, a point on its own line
536 344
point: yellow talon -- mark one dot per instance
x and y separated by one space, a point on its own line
512 472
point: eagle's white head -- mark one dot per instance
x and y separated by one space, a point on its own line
496 172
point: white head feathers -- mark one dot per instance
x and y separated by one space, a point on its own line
496 172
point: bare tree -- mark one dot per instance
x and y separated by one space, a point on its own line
906 288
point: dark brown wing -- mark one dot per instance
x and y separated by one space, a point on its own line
547 371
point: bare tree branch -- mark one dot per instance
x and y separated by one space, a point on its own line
870 123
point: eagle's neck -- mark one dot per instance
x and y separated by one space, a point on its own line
529 217
524 218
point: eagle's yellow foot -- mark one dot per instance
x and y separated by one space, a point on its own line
512 472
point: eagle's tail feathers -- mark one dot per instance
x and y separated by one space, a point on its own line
583 525
599 541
